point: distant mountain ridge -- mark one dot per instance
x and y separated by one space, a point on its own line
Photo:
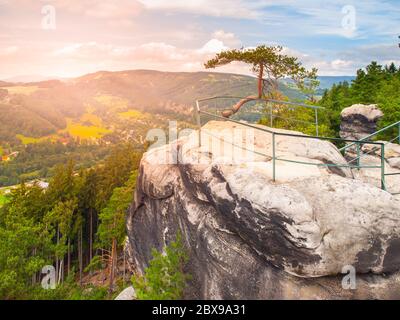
30 78
326 82
38 109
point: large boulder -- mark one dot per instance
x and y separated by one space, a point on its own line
250 237
359 121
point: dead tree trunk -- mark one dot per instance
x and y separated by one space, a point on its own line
91 235
113 263
80 256
69 257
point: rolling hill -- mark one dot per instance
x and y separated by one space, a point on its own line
44 109
45 123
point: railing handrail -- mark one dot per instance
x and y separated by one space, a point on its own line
371 135
287 134
350 142
295 104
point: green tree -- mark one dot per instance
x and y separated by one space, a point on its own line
373 85
116 171
164 279
270 65
40 227
25 242
62 217
111 232
88 193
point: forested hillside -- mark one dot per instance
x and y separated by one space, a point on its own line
48 105
86 138
375 85
45 123
77 224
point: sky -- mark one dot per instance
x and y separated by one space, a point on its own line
69 38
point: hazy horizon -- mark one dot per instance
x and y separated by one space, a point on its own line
39 77
67 39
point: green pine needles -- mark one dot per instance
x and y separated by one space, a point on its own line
164 279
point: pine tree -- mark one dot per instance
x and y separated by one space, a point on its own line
374 85
25 242
111 232
164 279
270 65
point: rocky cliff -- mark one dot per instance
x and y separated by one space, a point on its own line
250 237
359 120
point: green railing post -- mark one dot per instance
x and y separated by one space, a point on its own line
316 122
399 133
383 184
273 158
358 155
271 115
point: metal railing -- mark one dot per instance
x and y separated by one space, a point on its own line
360 155
259 105
273 156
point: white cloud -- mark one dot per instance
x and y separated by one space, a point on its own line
329 17
153 55
8 51
221 8
227 37
166 57
112 35
213 46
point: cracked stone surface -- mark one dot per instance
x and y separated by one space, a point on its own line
249 237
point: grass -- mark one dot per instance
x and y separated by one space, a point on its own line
28 140
3 199
133 114
31 140
25 90
89 126
78 130
91 118
1 151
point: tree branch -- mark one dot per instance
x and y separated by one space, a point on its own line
238 106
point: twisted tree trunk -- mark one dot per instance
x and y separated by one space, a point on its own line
239 105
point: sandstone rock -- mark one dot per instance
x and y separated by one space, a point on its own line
392 150
252 238
371 156
127 294
373 176
358 121
394 162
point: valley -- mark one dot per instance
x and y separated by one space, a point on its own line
46 122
